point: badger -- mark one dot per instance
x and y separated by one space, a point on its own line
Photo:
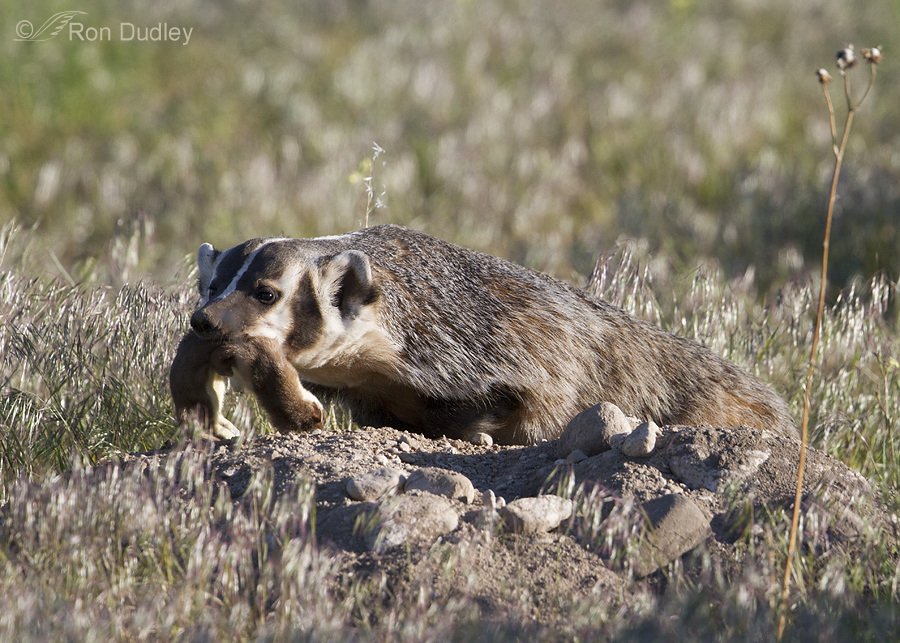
410 331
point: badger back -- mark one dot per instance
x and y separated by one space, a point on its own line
467 320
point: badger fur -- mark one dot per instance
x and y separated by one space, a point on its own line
414 332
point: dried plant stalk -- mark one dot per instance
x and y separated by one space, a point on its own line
846 60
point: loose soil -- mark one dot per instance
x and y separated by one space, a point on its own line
537 579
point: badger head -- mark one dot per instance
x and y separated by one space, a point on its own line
314 301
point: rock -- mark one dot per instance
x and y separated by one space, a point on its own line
409 441
575 457
712 459
675 525
760 462
491 500
413 517
535 515
375 484
591 430
441 482
483 439
641 441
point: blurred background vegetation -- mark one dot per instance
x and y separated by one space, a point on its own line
542 133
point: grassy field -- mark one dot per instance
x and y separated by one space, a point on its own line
131 553
545 137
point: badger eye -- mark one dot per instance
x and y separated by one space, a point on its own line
266 296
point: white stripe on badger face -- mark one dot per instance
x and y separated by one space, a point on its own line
240 273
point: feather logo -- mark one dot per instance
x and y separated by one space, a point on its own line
25 30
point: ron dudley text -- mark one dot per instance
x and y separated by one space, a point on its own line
162 32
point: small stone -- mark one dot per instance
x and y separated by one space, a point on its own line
375 484
535 515
401 519
675 526
404 447
381 459
483 439
575 457
491 500
641 441
591 430
441 482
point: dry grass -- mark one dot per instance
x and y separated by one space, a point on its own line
539 136
163 553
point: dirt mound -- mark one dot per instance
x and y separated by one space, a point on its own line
631 515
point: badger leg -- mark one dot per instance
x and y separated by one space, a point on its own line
262 367
498 414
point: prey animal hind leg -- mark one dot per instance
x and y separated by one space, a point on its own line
198 375
197 379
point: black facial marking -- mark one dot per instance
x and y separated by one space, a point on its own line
307 316
269 264
229 264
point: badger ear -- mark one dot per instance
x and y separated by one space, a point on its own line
348 284
206 262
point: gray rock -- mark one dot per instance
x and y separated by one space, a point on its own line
709 459
375 484
675 525
575 457
483 439
413 517
492 501
535 515
591 430
441 482
641 441
760 462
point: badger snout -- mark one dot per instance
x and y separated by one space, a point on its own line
203 325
